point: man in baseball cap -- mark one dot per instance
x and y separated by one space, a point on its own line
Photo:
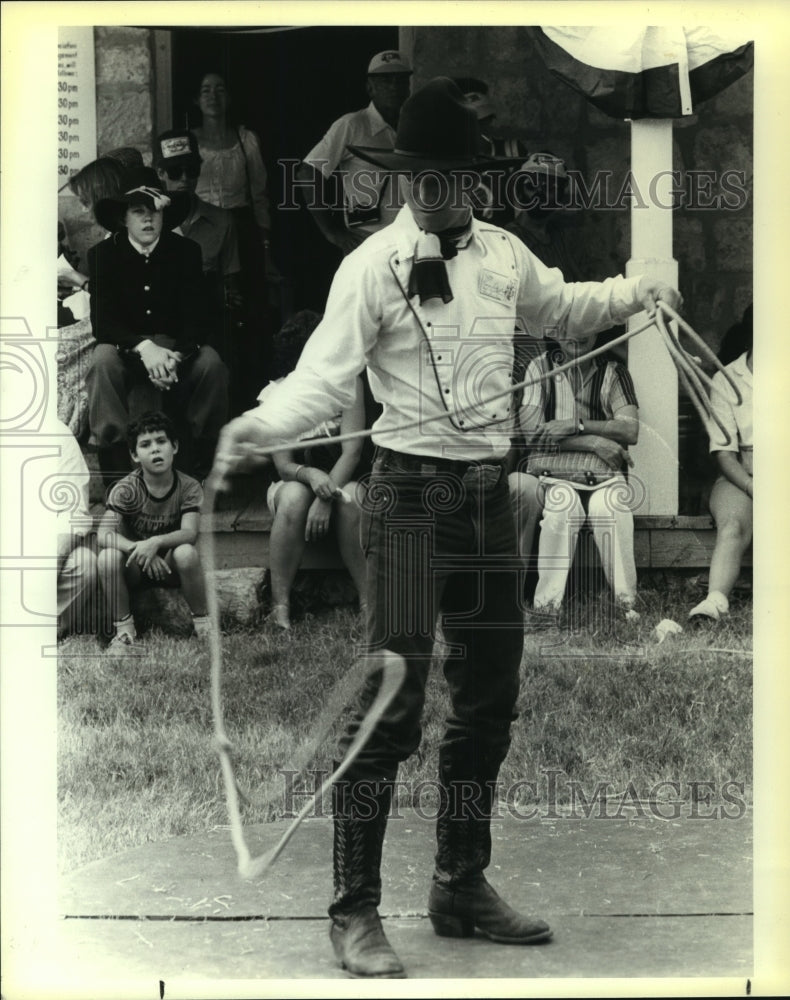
370 198
388 63
177 161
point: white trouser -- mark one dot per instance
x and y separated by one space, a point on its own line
612 525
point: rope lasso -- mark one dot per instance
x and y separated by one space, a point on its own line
393 670
391 665
264 451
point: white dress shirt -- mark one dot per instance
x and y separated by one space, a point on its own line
424 361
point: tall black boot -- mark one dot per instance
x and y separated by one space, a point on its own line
361 947
461 899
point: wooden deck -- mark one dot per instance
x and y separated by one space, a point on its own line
242 524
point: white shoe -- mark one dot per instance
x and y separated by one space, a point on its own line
121 640
627 611
714 606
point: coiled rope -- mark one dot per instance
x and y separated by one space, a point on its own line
391 665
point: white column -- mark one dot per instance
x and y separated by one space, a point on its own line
655 378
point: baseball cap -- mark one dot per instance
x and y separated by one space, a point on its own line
388 62
174 147
544 163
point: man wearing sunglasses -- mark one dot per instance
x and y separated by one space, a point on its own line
177 163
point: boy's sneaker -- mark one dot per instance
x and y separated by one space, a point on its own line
202 626
121 641
627 612
714 606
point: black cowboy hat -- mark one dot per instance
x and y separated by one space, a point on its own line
437 130
142 186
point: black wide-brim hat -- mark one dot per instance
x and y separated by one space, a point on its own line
437 130
142 186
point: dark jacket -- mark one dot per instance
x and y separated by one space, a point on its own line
136 298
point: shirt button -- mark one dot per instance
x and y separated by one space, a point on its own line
147 312
146 288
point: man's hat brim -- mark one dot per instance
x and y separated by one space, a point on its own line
415 163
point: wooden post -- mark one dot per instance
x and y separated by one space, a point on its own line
655 379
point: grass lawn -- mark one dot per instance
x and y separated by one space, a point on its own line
136 762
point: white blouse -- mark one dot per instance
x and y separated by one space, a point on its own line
232 178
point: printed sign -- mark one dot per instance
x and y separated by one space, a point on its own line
76 118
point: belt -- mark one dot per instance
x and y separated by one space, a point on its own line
428 465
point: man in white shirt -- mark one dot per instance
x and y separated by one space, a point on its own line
371 198
429 305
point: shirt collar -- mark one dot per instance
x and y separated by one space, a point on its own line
198 209
375 122
144 251
408 232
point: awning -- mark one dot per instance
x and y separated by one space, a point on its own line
651 72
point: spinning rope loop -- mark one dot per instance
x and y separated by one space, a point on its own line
392 666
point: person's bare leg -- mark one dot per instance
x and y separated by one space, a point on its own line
347 528
286 546
732 511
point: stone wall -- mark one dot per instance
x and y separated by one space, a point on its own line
713 247
124 113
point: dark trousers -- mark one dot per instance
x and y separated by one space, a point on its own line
119 391
440 542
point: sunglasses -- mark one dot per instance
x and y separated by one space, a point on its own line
182 170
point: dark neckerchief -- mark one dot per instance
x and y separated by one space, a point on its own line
428 277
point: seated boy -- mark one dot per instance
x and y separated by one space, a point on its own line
149 318
149 530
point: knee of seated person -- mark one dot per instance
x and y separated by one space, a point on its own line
104 358
293 499
209 362
732 528
561 498
185 558
85 561
608 502
110 559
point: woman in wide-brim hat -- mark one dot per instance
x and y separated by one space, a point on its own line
438 130
142 186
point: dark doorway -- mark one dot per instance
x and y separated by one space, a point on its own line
288 86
